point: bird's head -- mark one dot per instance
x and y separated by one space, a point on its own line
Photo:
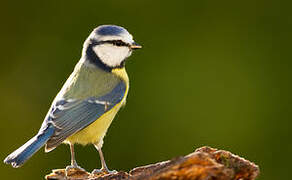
110 45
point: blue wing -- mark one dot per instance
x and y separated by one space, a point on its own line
70 116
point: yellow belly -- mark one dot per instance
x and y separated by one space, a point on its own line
94 133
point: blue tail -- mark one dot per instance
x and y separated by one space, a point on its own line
22 154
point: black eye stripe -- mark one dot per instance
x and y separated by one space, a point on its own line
119 43
113 42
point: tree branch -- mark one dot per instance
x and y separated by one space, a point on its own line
204 164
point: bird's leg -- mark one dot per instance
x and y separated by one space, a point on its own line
73 160
74 164
103 164
104 168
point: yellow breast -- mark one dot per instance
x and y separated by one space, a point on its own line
95 132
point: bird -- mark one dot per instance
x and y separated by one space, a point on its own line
90 98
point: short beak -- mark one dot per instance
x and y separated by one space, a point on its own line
135 46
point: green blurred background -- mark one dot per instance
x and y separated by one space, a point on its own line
214 73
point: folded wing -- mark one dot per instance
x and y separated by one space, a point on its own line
69 116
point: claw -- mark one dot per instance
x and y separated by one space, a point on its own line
103 171
73 169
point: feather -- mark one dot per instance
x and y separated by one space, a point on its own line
71 117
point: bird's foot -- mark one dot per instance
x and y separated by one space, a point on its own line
103 171
74 169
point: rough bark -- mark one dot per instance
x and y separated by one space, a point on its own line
204 164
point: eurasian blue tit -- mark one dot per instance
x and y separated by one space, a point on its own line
89 100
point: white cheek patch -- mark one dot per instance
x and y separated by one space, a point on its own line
111 55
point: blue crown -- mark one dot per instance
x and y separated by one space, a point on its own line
109 30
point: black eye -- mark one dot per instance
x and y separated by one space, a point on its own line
119 43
